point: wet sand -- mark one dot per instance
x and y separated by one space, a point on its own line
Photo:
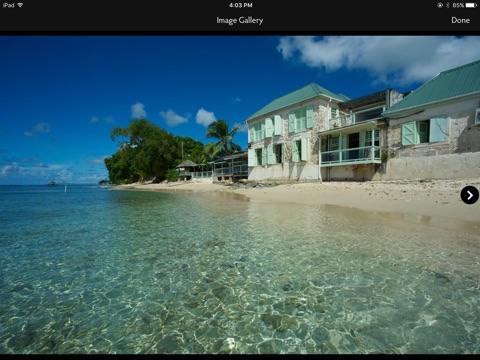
439 199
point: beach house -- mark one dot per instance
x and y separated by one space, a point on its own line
282 141
315 134
231 167
352 142
434 132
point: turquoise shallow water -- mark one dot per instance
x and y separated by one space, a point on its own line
100 271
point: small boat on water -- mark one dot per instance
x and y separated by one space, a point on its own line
52 183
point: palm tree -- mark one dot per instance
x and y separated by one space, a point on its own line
220 130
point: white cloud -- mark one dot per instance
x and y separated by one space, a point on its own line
205 117
138 111
40 128
40 173
107 119
393 60
55 166
65 175
98 161
9 170
41 165
172 118
243 127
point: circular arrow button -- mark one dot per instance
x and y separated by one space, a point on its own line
469 195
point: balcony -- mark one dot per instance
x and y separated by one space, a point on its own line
184 173
201 174
356 118
360 155
237 170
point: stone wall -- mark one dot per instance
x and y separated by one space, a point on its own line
457 157
303 170
463 134
452 166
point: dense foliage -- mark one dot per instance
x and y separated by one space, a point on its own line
147 152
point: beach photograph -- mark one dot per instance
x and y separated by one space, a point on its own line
240 195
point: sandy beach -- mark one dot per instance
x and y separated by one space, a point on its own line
428 198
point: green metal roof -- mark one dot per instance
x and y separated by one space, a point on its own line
302 94
446 85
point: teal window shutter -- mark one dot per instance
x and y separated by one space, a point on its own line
251 157
300 119
251 132
304 151
270 154
257 130
295 151
309 116
277 125
409 133
291 122
268 127
264 156
438 128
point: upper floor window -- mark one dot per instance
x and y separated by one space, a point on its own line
257 131
300 119
334 113
273 126
266 128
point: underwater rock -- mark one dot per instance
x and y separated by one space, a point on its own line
279 322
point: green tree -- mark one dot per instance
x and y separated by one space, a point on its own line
192 150
146 152
120 166
224 145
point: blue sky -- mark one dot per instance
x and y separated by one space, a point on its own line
61 96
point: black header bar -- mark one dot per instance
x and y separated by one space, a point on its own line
254 16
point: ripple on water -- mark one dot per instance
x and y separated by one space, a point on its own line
170 273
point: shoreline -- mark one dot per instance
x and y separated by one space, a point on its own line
428 198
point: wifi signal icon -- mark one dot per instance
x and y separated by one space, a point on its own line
20 4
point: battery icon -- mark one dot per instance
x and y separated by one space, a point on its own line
470 5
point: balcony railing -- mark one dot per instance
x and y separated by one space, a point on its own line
184 173
238 170
232 170
201 174
357 117
364 155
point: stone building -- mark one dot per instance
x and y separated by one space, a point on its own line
282 141
353 142
314 134
434 132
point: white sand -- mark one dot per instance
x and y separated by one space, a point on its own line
435 198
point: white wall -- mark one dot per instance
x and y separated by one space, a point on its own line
287 172
453 166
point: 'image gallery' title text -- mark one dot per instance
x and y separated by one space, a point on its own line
240 20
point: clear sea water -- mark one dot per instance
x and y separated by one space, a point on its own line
95 270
